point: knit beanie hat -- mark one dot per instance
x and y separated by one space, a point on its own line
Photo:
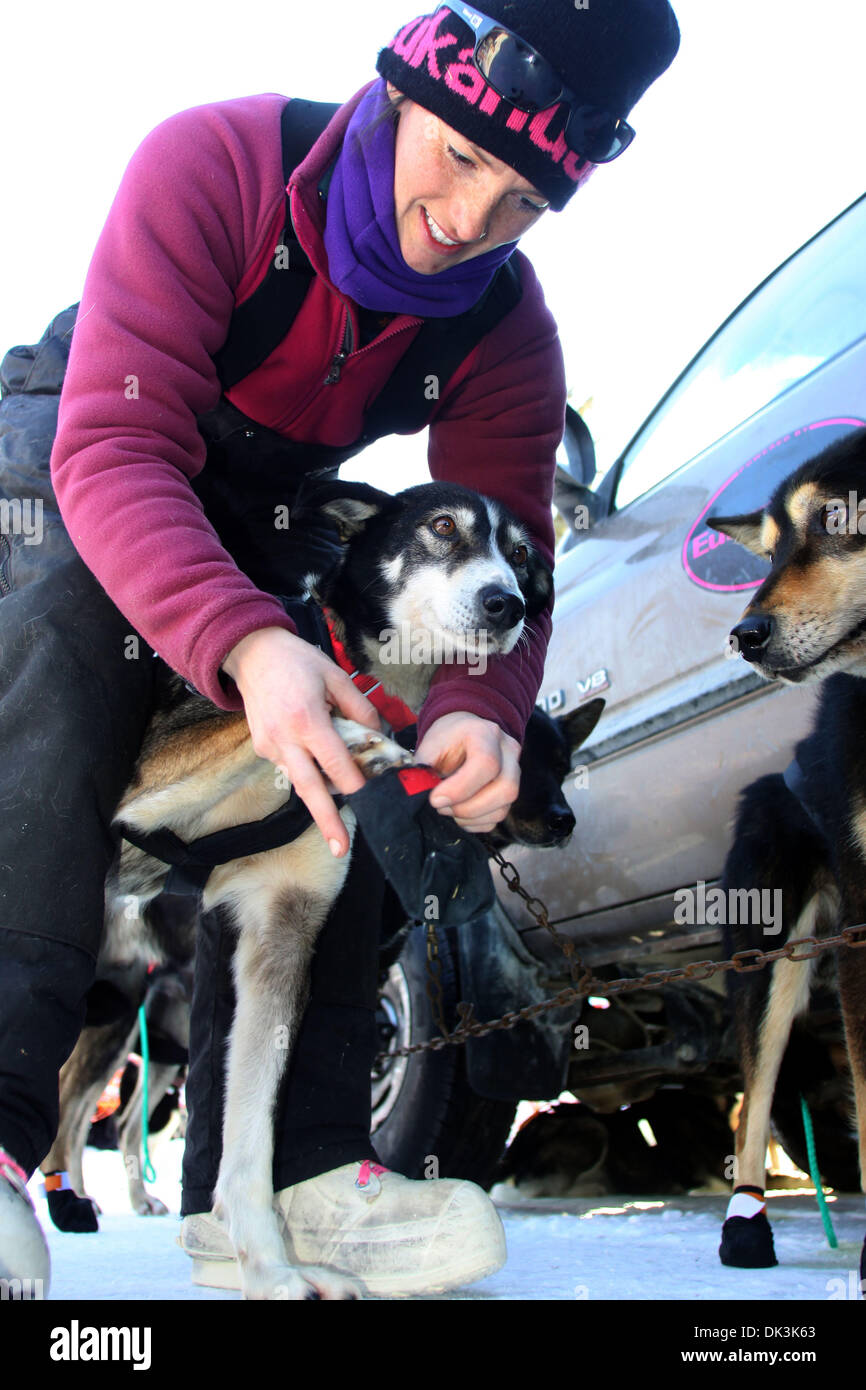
608 52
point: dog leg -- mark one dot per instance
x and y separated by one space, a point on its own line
374 753
278 920
747 1240
70 1208
852 993
280 901
96 1056
130 1133
277 929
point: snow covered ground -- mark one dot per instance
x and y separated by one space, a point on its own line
576 1249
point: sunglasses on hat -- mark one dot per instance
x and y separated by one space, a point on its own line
518 73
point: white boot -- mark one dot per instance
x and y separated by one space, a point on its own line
25 1265
395 1236
206 1240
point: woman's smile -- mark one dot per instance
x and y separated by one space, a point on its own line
443 243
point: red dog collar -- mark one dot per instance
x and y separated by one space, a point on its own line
398 714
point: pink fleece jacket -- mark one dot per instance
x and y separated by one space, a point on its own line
190 233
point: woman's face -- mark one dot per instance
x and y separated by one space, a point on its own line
448 192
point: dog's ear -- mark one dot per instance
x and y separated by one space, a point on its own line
745 530
350 514
350 505
539 586
579 724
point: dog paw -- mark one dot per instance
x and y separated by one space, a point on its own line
148 1205
69 1212
747 1242
288 1283
374 753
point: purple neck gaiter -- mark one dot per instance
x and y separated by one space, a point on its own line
361 239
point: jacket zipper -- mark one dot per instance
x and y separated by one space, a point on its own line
337 364
5 552
348 345
345 349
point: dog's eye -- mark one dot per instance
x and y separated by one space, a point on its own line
444 526
519 555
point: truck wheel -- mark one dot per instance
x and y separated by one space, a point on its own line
427 1121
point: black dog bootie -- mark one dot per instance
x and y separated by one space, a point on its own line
438 871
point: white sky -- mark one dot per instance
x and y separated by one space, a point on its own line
752 141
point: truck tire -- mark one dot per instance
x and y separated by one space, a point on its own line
427 1121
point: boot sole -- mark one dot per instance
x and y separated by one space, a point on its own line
216 1274
225 1274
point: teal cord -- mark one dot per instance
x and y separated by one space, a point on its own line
816 1176
149 1170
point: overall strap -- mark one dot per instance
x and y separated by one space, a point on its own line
261 323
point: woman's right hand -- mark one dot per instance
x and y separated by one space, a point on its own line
288 688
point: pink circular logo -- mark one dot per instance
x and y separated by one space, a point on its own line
715 561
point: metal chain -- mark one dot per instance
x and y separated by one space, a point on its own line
744 962
433 983
580 974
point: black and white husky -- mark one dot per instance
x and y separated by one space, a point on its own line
435 574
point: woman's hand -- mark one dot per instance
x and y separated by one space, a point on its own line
288 688
481 767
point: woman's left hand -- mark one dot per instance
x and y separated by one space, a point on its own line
480 765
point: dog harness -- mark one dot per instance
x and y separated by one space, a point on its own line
191 864
438 870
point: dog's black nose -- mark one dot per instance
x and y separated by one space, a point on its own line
560 822
751 635
504 610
